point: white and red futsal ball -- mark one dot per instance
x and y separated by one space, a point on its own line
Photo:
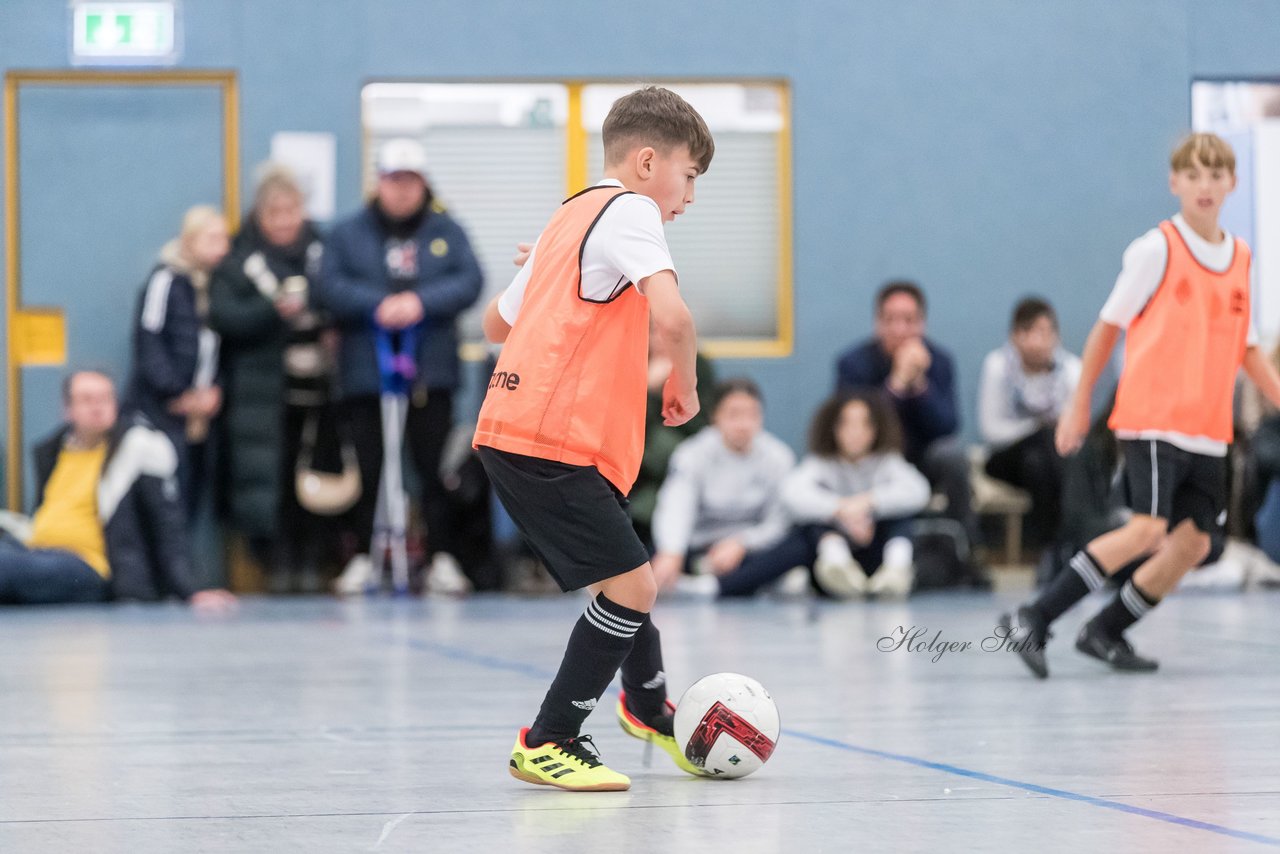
727 725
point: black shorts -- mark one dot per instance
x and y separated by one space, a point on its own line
1165 481
573 519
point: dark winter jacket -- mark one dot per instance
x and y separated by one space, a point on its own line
925 417
167 345
142 517
254 380
436 262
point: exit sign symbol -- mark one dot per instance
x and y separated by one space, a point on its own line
125 32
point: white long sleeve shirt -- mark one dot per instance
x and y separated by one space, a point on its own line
813 492
712 492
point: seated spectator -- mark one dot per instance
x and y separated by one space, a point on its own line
175 354
108 522
276 378
721 501
919 377
1025 386
851 502
858 495
661 441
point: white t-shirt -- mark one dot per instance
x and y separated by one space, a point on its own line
1140 275
626 245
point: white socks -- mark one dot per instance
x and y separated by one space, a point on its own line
898 552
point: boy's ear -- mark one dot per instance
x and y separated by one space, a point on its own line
1173 176
644 161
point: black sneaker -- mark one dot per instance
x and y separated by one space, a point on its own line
1027 634
1116 652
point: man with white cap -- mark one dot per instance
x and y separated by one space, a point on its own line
400 263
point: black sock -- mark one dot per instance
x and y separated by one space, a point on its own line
643 679
1081 575
597 647
1128 606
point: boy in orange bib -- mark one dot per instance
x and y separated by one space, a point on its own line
561 430
1183 299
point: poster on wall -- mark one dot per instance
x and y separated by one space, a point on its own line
313 159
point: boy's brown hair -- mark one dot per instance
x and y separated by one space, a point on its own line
660 118
1028 311
1205 149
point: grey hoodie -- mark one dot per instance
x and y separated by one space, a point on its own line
813 492
712 492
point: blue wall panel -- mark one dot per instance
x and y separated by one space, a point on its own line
989 148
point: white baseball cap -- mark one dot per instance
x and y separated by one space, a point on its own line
402 155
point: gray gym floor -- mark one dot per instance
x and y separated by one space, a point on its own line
316 725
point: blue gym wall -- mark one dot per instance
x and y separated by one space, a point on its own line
988 148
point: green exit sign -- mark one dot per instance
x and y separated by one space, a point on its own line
124 33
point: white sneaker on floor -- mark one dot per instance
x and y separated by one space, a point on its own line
840 576
892 579
794 584
355 576
445 576
697 586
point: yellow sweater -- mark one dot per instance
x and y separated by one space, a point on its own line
67 519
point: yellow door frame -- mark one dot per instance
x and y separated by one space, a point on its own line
225 80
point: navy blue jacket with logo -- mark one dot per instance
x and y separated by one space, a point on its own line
354 278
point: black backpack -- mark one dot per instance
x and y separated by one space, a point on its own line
943 558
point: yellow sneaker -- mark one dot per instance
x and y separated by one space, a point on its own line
635 728
569 765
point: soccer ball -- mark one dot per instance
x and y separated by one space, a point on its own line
727 725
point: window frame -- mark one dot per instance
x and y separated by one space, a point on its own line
782 344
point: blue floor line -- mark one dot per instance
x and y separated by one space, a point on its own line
497 663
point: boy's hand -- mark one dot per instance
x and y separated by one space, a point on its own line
666 569
855 516
678 405
726 556
523 251
214 603
1072 427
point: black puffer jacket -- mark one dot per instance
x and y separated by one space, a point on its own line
142 517
255 383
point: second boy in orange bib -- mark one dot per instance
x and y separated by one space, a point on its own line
1183 297
561 430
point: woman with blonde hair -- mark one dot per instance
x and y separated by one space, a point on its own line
175 354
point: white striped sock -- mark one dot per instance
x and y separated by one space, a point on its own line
620 622
1133 601
610 623
1085 568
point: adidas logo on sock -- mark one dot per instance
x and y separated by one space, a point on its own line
656 682
585 705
